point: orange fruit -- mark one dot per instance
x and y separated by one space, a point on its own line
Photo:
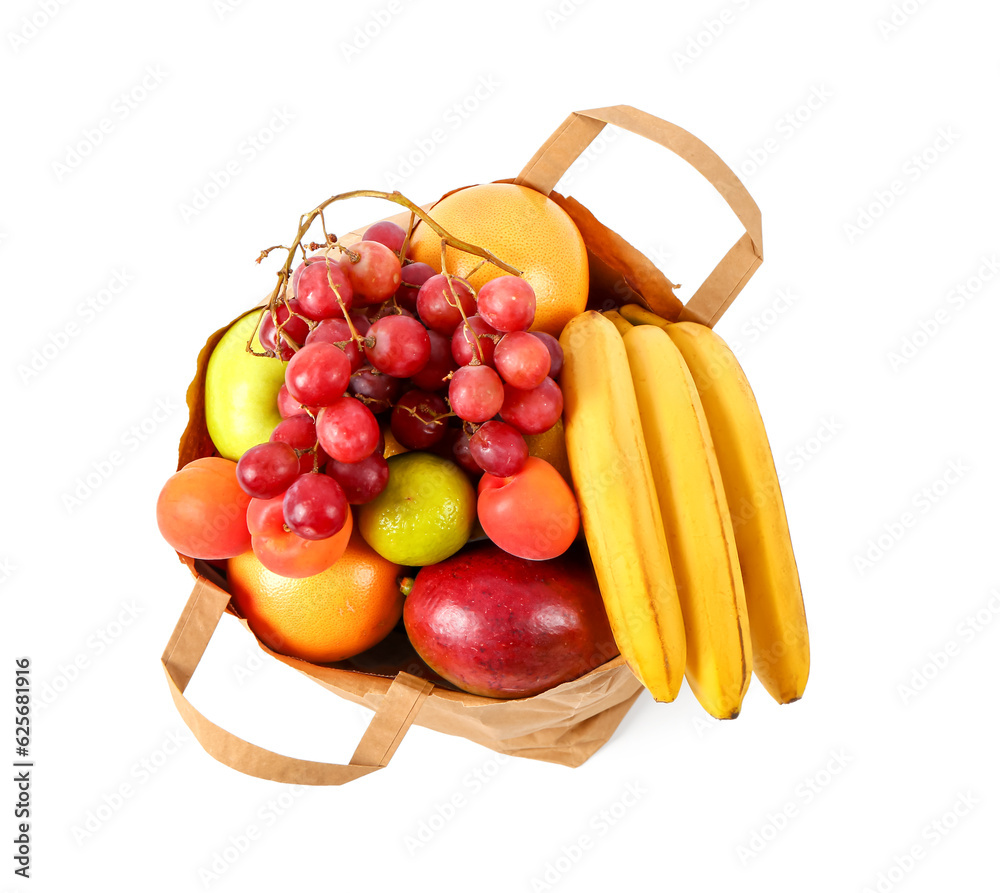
522 228
330 616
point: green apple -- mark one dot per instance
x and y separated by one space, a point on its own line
241 391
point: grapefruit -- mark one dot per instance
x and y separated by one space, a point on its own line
523 228
330 616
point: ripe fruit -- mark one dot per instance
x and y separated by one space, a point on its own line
267 469
620 512
299 432
535 410
425 513
532 513
522 359
318 374
499 626
285 553
290 328
473 341
475 393
522 227
241 391
507 303
315 507
319 287
419 419
498 449
402 346
347 430
439 301
201 510
376 274
330 616
390 234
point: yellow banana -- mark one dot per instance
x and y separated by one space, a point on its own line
622 324
638 315
618 505
778 628
696 521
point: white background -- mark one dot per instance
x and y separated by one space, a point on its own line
902 94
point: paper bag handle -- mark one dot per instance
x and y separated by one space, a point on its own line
393 717
577 132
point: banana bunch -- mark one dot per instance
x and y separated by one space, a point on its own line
682 510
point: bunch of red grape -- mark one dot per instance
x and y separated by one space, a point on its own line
374 340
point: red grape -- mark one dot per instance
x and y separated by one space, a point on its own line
361 481
476 393
336 331
555 352
376 275
318 374
522 360
419 419
347 430
402 347
319 287
292 327
267 470
460 453
473 340
390 234
507 303
315 507
299 431
534 411
288 406
433 377
376 390
297 273
412 276
439 300
499 449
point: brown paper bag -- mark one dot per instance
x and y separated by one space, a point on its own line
568 723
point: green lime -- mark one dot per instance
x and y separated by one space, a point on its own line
424 514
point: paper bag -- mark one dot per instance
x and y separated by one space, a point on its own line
568 723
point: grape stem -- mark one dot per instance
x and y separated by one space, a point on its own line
306 221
